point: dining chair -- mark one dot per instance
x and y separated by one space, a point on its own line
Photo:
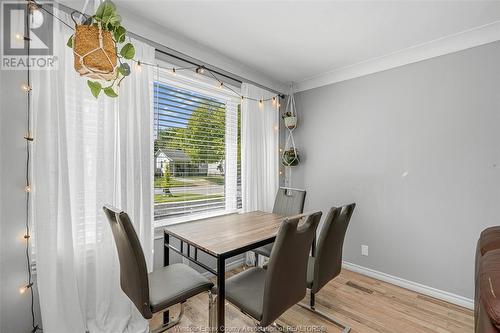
326 261
156 291
264 294
288 202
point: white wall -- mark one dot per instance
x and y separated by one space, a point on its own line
418 149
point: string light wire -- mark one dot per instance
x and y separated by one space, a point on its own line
30 5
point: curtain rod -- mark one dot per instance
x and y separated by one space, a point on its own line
183 57
196 64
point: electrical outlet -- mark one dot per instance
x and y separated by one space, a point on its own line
364 250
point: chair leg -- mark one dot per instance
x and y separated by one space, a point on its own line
280 327
311 307
277 326
212 313
171 323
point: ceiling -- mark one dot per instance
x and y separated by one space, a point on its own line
292 41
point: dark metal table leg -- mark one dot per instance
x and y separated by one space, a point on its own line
221 290
166 262
312 300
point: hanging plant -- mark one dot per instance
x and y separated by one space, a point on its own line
95 50
290 157
290 120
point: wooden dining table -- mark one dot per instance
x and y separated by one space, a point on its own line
221 237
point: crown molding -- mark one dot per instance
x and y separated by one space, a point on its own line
460 41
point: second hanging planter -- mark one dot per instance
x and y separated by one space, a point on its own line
290 156
290 120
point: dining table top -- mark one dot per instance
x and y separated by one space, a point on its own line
223 234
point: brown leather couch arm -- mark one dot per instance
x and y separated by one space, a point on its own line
483 322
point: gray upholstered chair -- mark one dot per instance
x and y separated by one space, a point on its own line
264 294
326 261
156 291
288 202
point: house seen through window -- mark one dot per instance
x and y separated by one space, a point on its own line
196 152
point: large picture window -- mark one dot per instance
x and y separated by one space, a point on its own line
196 151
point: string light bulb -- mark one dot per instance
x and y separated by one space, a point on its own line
25 288
32 6
27 189
19 37
260 102
138 66
221 85
242 97
36 16
26 87
173 71
274 100
200 70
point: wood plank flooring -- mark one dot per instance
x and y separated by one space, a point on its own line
366 304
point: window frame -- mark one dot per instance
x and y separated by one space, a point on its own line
189 80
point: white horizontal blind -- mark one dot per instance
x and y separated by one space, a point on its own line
195 150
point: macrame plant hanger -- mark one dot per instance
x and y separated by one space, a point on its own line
290 156
95 53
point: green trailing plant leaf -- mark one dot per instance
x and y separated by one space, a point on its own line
124 69
119 34
95 87
128 51
70 42
105 11
110 92
114 21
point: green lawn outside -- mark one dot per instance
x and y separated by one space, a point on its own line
189 181
162 182
162 198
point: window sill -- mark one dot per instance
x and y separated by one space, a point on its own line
160 224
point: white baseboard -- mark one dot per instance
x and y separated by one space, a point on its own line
414 286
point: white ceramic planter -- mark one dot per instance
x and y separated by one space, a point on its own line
290 122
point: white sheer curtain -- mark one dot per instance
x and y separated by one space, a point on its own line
259 151
88 153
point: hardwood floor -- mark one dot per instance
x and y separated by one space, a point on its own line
366 304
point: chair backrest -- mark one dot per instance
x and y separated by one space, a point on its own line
289 202
286 279
328 256
133 269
